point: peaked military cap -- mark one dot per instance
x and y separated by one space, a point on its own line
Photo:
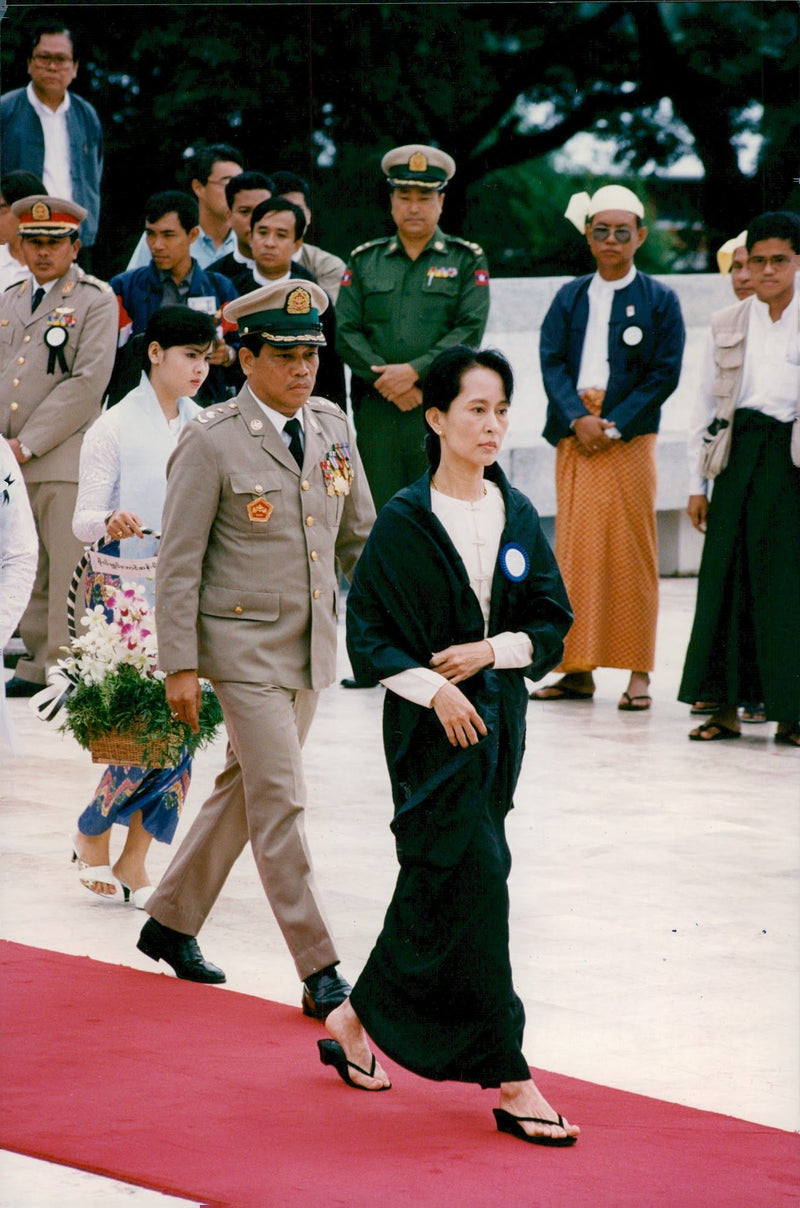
283 313
43 215
418 165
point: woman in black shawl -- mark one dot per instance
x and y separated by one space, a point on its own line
454 558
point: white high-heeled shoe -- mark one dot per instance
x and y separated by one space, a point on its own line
89 874
139 897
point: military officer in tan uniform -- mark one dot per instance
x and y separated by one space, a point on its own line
266 499
58 336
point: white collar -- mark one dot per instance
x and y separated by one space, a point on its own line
278 420
599 285
269 280
44 110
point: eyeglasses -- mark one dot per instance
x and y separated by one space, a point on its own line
772 261
56 60
599 234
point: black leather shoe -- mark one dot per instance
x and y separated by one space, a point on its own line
22 687
324 991
181 951
357 683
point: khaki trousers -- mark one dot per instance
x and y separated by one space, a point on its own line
43 627
260 795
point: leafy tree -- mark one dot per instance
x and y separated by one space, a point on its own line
327 88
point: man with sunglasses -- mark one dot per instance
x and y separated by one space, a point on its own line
47 130
744 639
611 350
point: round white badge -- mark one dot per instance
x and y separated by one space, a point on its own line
514 562
632 336
55 337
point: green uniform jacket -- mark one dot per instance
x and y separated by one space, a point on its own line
394 310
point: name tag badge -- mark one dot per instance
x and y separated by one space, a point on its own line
259 510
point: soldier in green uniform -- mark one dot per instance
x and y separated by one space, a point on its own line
402 300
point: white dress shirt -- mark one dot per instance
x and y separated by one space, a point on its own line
56 175
770 378
594 369
278 420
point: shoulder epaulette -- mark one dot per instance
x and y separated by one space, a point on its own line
88 279
362 247
475 248
217 413
318 403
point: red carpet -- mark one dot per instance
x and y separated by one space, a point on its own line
220 1097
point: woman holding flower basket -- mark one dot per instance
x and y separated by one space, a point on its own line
120 495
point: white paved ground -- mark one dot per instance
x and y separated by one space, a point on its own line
655 897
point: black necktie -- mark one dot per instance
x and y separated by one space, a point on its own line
38 294
292 426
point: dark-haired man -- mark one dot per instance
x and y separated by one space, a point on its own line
207 171
14 186
276 235
266 499
173 278
243 193
326 268
47 130
744 642
57 340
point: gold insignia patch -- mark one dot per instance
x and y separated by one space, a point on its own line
259 511
298 302
418 162
40 211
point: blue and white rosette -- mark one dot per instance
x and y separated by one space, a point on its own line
514 562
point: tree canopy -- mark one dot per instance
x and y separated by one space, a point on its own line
327 88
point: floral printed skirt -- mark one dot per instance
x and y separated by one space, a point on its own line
158 792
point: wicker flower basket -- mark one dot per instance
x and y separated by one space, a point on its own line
126 749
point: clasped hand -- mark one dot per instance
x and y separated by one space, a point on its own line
398 385
462 723
590 433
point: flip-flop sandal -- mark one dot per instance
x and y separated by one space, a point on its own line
723 733
701 707
628 703
789 738
555 692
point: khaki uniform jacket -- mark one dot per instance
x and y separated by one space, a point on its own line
253 599
49 412
326 267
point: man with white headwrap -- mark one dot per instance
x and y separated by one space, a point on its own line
611 349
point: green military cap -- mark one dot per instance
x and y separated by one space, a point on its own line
419 166
43 215
283 313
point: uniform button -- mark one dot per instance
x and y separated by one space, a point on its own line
14 407
258 488
309 521
305 486
15 382
238 609
20 360
317 593
26 339
314 555
3 322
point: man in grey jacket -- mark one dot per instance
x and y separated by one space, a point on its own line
48 130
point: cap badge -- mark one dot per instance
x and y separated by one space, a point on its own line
298 302
40 211
418 162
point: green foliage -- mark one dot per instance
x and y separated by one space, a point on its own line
126 701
